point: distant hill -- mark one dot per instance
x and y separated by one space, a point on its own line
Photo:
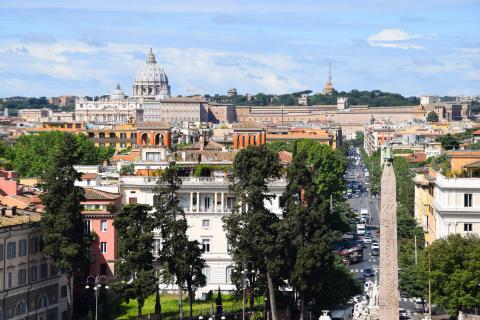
375 98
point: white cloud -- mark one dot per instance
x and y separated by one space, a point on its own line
396 38
390 35
395 45
191 70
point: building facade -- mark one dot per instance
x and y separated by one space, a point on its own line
205 201
99 221
176 110
30 288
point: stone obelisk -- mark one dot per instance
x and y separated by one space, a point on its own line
388 286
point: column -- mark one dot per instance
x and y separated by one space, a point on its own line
222 195
215 203
198 201
191 202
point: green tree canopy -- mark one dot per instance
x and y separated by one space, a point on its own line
432 116
454 272
251 226
62 222
449 142
33 154
135 225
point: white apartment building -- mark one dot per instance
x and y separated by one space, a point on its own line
456 206
205 201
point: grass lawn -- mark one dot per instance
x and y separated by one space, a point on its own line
170 306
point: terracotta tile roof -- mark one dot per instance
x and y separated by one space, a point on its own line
207 145
476 132
94 194
417 157
89 176
285 156
133 155
20 217
248 125
153 125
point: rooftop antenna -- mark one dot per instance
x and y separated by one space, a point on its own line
329 71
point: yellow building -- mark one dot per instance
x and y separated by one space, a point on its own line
424 214
119 136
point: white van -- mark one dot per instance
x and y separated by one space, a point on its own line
361 229
364 214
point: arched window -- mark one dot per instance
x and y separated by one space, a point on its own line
42 302
21 308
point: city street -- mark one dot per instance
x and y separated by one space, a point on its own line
365 201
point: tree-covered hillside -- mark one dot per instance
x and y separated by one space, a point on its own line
375 98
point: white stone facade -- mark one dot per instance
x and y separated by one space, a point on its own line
176 110
205 201
456 205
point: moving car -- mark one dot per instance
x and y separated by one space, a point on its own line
402 313
367 239
368 272
375 252
375 245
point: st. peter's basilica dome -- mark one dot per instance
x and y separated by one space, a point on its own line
151 81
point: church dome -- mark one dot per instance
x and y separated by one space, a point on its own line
151 81
118 93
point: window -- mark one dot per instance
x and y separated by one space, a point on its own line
21 308
88 227
153 156
123 145
228 275
1 253
33 273
229 203
22 248
205 223
206 245
63 291
42 302
11 250
10 279
467 227
22 276
467 200
229 247
33 245
132 200
53 271
103 225
103 247
44 271
206 273
206 203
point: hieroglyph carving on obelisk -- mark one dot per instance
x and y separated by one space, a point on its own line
388 282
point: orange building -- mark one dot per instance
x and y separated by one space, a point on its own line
248 134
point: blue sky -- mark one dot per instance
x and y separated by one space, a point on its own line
55 47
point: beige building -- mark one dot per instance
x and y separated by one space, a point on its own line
33 115
29 285
376 135
176 110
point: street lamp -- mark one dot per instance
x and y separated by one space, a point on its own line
98 282
244 273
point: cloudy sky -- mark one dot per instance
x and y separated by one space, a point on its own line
414 47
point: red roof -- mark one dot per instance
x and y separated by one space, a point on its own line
94 194
417 157
89 176
476 132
